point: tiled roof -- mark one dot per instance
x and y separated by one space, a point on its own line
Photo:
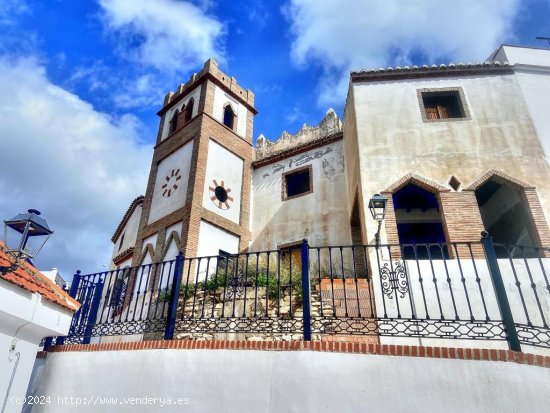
126 216
433 70
123 255
29 278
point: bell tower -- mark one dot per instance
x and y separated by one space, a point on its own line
198 193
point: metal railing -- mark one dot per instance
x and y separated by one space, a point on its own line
470 290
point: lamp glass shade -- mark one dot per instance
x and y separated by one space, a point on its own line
377 207
26 234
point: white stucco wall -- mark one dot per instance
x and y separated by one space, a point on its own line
321 216
28 318
468 268
262 381
150 240
523 55
532 68
168 270
212 239
535 85
130 231
161 205
195 94
221 99
224 167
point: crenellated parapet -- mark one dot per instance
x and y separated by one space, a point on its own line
210 69
330 125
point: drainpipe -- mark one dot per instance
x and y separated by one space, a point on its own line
16 354
11 355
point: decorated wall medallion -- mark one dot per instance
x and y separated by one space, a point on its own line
219 195
171 184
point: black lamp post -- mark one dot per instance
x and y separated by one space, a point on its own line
25 233
377 207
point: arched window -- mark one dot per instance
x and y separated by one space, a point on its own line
419 222
189 110
506 214
173 122
116 295
229 116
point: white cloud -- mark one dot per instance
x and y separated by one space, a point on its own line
10 11
344 35
80 167
168 35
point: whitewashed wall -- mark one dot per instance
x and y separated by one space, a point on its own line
275 381
129 231
221 99
470 269
28 318
224 167
212 239
195 94
321 216
160 205
532 68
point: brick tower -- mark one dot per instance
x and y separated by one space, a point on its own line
198 194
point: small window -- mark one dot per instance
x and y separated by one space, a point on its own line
121 242
455 183
229 117
189 110
444 104
173 122
297 183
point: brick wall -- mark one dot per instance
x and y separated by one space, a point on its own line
390 225
325 346
461 221
541 230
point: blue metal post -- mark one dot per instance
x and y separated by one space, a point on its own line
96 301
500 292
48 343
72 292
306 291
174 298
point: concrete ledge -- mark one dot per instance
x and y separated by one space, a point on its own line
334 347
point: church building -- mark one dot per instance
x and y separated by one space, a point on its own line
456 149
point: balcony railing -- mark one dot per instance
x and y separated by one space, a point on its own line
450 291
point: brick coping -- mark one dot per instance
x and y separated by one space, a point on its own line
320 346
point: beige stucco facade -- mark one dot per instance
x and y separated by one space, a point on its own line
385 128
385 141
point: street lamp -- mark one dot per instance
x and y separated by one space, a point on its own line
377 207
25 233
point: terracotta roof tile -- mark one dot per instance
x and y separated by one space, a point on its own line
30 279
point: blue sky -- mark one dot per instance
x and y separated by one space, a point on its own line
81 83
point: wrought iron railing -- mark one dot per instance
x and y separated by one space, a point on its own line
471 290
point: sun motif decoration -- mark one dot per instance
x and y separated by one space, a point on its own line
219 195
171 184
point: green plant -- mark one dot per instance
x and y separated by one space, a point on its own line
187 290
164 296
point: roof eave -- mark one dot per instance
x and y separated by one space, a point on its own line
417 72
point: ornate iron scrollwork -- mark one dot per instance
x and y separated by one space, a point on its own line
394 280
235 285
